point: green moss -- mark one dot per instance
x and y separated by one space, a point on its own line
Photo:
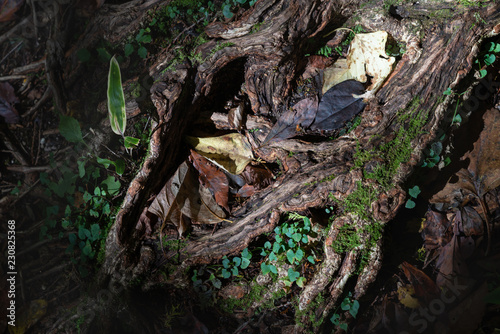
309 313
256 294
256 27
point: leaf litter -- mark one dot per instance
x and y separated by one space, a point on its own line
453 230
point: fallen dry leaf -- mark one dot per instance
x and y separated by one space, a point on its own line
292 122
211 177
451 261
231 151
466 317
7 99
258 176
183 196
8 8
335 74
338 105
406 296
435 230
483 172
424 286
367 57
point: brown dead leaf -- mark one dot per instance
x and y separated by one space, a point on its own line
292 122
184 196
451 261
483 172
257 176
435 230
246 191
7 99
231 151
8 8
211 177
470 221
466 316
424 286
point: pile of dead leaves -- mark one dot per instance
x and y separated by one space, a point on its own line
458 235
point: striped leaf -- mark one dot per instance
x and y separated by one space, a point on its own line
116 99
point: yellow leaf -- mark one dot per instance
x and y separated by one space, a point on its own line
232 151
405 296
367 57
335 74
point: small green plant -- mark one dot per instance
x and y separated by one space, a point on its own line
231 266
171 314
325 51
228 5
256 27
116 105
456 117
487 58
142 37
433 155
348 304
290 239
413 192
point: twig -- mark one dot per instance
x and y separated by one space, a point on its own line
30 67
28 169
11 32
45 97
12 77
13 49
35 20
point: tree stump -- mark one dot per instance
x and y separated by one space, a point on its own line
399 121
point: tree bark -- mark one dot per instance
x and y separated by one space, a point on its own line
440 53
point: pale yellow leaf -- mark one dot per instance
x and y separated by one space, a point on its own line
367 57
335 74
406 296
231 151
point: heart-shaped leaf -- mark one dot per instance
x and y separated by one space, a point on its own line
293 275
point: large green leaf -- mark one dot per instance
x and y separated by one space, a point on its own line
116 99
70 129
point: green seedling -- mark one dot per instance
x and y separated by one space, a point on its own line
116 104
142 37
348 304
413 192
290 239
231 266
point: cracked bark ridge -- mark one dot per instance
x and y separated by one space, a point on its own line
266 64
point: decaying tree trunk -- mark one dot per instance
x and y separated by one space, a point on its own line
268 63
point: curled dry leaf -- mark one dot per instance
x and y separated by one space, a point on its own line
338 105
435 230
183 197
8 8
292 121
7 99
211 177
231 151
236 117
424 286
483 172
366 57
